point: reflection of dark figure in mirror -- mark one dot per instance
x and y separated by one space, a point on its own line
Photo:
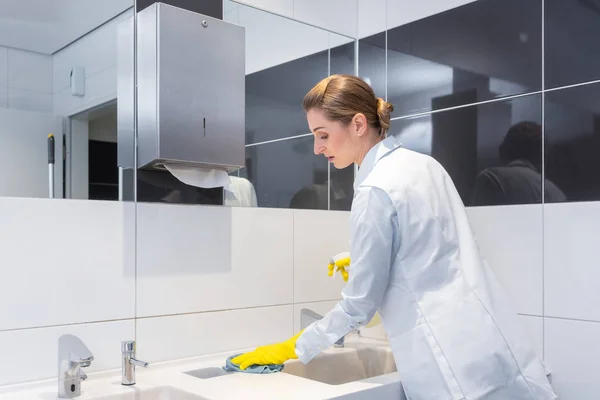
313 197
518 180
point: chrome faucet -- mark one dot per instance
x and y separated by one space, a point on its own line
307 317
73 355
129 363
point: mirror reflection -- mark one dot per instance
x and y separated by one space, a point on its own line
58 91
280 169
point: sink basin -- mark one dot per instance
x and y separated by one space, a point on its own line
343 365
206 373
157 393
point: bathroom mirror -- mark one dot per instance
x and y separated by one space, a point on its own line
281 169
58 91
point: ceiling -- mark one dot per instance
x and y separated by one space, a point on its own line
46 26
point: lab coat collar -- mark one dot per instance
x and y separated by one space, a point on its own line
373 156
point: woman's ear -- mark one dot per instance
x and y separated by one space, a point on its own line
359 124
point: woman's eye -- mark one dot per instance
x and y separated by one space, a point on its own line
323 137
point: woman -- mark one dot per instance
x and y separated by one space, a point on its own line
415 260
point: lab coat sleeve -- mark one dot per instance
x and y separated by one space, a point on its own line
373 232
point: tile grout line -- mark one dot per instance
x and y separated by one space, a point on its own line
52 326
329 164
293 257
356 73
183 314
571 86
279 140
135 160
386 63
499 99
133 318
543 100
496 100
590 321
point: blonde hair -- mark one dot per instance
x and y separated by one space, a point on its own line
341 97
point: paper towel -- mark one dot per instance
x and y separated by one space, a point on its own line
200 177
241 193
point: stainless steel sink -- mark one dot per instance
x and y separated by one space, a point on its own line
343 365
157 393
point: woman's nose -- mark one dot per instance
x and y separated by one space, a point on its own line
319 149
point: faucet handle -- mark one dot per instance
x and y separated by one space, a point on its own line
82 375
138 363
128 346
85 361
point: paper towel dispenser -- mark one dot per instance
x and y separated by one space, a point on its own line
191 90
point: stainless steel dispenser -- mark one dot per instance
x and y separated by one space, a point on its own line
191 90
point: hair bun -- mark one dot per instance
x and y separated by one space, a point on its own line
384 109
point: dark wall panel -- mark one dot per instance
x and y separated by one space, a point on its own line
212 8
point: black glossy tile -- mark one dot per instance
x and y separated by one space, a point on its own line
274 97
287 174
162 187
572 41
342 59
342 180
572 128
467 142
341 188
371 62
489 47
212 8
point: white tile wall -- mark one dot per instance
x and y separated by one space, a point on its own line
318 236
572 273
32 354
372 18
533 326
336 40
573 354
293 40
400 12
201 258
30 71
29 100
340 16
104 43
513 250
100 69
99 89
229 5
25 80
3 66
180 336
281 7
65 262
3 96
232 15
24 148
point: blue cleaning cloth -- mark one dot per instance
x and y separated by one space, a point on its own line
253 369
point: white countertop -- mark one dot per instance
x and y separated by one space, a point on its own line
229 386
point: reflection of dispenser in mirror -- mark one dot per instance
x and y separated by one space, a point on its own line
190 107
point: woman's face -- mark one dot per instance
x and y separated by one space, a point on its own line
332 139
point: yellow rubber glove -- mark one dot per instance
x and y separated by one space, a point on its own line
277 353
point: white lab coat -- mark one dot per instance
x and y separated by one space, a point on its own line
415 260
